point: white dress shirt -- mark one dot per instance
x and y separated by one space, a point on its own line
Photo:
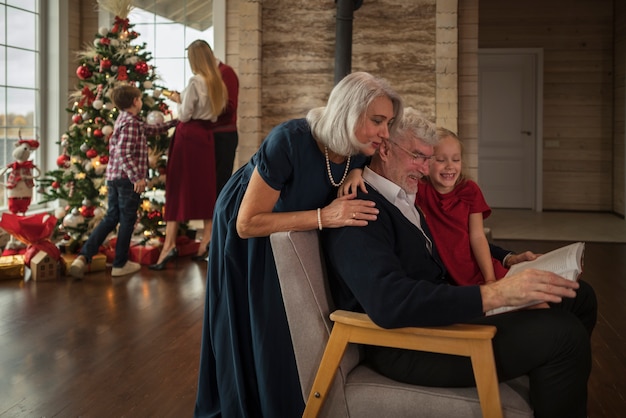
400 199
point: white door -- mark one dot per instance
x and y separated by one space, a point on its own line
507 128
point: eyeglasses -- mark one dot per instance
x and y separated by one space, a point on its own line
415 156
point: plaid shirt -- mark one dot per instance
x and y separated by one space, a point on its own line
128 147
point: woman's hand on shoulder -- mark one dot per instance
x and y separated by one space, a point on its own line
348 211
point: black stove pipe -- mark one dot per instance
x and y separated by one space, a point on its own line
343 39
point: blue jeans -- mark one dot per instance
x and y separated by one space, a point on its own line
123 204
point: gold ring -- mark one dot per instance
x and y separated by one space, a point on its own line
353 215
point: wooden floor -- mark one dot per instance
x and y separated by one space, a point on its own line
129 347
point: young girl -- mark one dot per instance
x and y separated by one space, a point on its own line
454 208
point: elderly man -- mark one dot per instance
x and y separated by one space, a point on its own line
391 270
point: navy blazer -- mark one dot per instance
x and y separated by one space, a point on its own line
385 270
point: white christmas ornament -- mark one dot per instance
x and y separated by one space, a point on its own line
98 212
155 117
157 93
103 30
107 130
59 212
97 104
147 84
73 219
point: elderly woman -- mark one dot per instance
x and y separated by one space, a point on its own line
247 365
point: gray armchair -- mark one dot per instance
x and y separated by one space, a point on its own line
335 383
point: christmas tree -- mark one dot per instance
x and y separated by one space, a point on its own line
79 182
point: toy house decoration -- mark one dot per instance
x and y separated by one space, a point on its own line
44 267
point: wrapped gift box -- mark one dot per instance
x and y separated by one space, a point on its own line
98 262
187 246
108 249
11 267
144 254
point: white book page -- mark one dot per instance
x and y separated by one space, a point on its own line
565 261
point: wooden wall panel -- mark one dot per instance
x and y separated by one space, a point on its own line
577 40
619 128
394 39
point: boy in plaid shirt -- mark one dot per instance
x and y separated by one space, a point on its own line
126 180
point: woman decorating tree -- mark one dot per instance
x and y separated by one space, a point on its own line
190 185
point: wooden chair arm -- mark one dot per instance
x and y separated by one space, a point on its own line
472 341
470 331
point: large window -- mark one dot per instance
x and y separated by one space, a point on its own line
19 78
168 28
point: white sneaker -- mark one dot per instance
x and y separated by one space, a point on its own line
77 268
128 268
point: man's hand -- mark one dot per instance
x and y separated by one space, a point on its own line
526 287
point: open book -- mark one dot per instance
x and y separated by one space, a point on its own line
565 261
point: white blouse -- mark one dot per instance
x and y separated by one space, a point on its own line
195 102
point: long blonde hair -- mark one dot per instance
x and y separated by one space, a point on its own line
204 64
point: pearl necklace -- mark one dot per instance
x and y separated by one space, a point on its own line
330 174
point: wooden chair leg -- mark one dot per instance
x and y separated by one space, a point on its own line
486 378
335 349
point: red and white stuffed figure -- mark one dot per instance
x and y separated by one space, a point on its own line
22 172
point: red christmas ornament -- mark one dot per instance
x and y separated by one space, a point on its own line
97 133
63 160
105 41
104 159
91 153
55 185
105 64
87 211
83 72
141 68
122 75
77 118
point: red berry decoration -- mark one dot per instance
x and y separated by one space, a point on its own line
63 160
105 41
77 118
104 159
91 153
97 133
83 72
55 185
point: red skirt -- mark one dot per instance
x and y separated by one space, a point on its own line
190 186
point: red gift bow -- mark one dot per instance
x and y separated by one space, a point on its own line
88 97
119 22
34 230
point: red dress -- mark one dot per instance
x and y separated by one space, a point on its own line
447 216
190 189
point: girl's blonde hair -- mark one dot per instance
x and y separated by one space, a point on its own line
204 64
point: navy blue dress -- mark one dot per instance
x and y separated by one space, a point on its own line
247 365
